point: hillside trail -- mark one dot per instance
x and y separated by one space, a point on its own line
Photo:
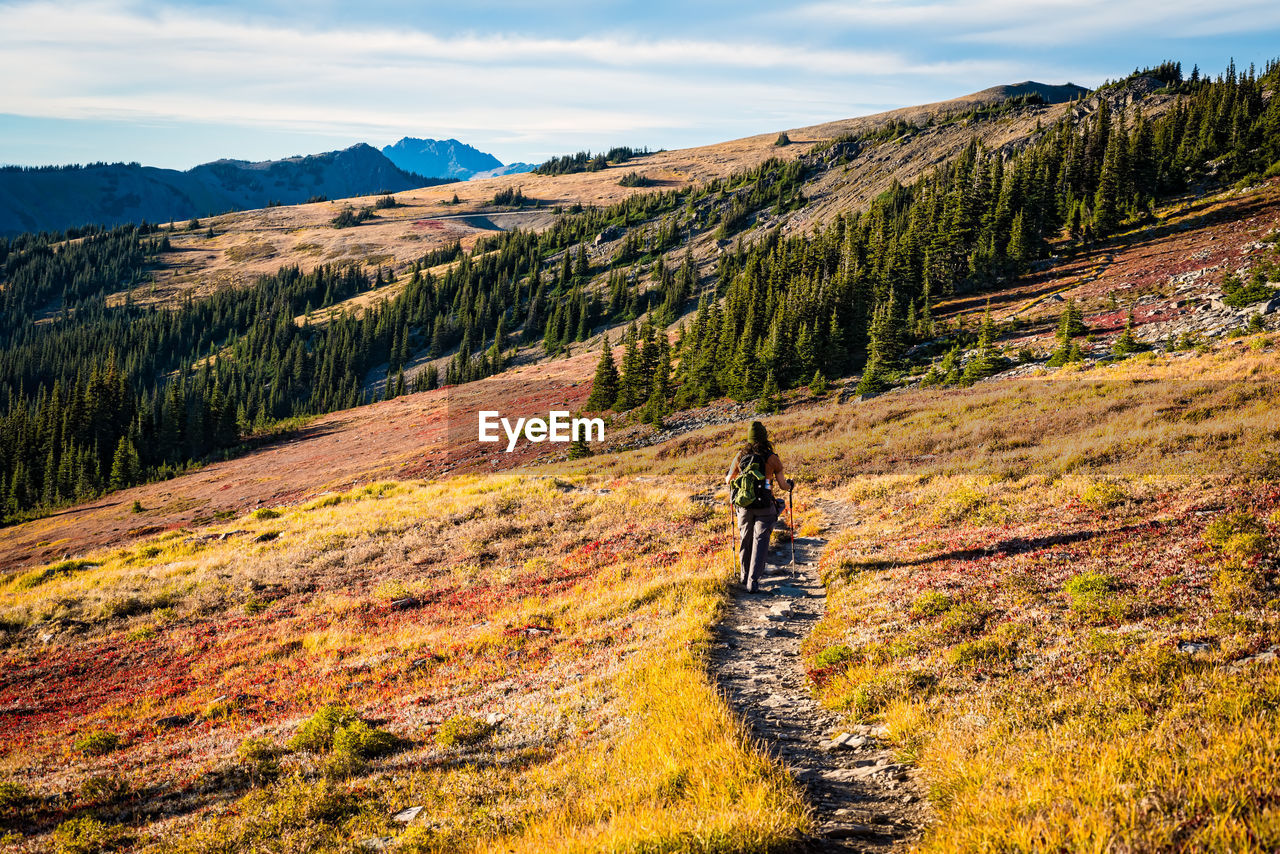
862 798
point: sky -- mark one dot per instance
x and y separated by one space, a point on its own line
175 83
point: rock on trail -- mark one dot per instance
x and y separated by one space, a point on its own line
863 798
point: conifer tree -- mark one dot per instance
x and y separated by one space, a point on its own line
1071 325
604 388
1106 201
885 348
124 464
631 382
987 360
769 395
1125 343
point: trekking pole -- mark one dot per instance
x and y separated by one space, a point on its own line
733 530
791 508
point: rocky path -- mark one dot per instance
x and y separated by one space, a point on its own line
863 799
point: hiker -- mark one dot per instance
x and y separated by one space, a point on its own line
751 477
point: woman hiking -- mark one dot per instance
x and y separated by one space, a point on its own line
757 518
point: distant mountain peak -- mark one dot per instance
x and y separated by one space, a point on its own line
440 158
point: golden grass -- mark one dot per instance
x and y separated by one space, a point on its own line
616 738
1015 612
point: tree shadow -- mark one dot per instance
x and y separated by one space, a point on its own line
1011 546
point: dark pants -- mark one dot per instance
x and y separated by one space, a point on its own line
754 526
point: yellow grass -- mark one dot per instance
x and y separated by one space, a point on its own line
621 742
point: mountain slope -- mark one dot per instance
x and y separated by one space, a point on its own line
1038 577
109 194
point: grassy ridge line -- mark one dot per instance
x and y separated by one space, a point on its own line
614 739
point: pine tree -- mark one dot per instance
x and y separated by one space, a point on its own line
1071 325
632 384
1106 201
124 465
660 398
987 360
885 348
1125 343
769 396
604 388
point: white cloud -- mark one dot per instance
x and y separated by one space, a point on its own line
1048 22
114 60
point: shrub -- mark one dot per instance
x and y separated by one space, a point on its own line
104 787
1235 588
260 758
338 730
316 733
1104 495
931 603
635 179
360 739
833 656
1237 294
1239 535
966 618
869 695
348 218
462 730
782 140
266 513
137 507
97 743
12 796
960 504
1093 597
85 835
981 651
36 577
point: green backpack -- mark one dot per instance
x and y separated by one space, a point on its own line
747 489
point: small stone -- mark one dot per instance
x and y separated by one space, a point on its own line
377 843
406 815
1194 647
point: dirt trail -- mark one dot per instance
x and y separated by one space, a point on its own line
863 799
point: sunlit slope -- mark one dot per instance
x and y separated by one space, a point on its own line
250 243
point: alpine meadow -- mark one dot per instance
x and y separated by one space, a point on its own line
926 496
